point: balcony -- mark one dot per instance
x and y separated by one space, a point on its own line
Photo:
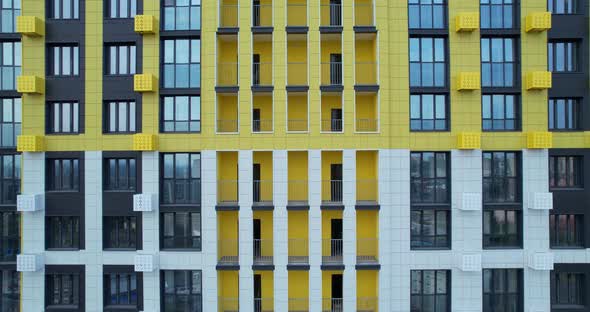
262 194
262 18
366 192
298 305
332 192
331 76
297 125
365 75
330 17
332 125
261 76
227 126
227 252
226 304
298 252
364 19
367 304
261 125
297 74
367 251
367 125
296 16
228 17
227 75
227 195
332 305
332 252
263 305
298 193
263 252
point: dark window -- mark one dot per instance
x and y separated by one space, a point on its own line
430 228
498 62
500 112
565 171
11 170
427 14
181 178
181 291
566 231
10 66
10 297
182 63
10 10
431 290
121 117
564 114
502 290
428 66
501 177
428 112
62 291
64 117
497 14
63 232
121 291
121 174
502 228
121 60
562 6
11 121
63 175
567 290
10 240
64 60
182 14
181 230
562 56
122 8
64 9
120 232
181 114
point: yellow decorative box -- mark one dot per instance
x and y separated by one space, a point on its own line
467 81
536 140
30 84
538 21
145 142
29 143
30 26
467 21
469 140
145 24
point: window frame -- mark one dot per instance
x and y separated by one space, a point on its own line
75 117
420 295
187 241
573 162
131 175
419 5
60 271
517 112
573 8
572 106
130 54
573 57
174 98
164 6
497 204
555 289
74 60
15 47
107 113
165 84
576 235
421 120
420 62
15 12
10 243
116 224
117 271
8 180
164 178
492 292
15 122
130 13
12 297
76 236
190 287
76 181
504 240
516 77
74 5
515 15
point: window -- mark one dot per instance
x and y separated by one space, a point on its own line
120 232
182 63
10 185
181 114
564 114
498 64
62 290
121 174
10 231
63 232
65 60
121 117
497 14
181 179
566 230
562 56
565 172
567 289
431 290
122 8
64 9
181 230
10 10
182 14
428 66
121 60
501 228
426 14
182 291
562 6
500 112
10 296
501 171
428 112
502 290
430 228
10 68
120 290
11 121
63 175
64 117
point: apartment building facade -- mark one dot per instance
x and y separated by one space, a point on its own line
294 155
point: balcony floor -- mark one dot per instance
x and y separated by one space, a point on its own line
228 260
298 260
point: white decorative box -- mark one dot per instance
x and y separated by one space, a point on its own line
541 261
30 203
541 201
471 202
29 263
144 202
470 263
145 263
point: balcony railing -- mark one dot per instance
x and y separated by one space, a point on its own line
331 73
262 191
367 304
261 125
365 73
298 305
332 191
332 125
226 304
332 305
367 251
227 192
227 74
297 74
332 251
331 15
263 252
227 252
263 305
298 191
363 14
366 191
367 125
297 125
262 74
298 251
228 15
262 15
296 14
227 126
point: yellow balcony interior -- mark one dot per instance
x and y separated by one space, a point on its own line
365 54
227 113
227 178
363 13
329 13
228 291
367 239
262 176
262 60
266 300
298 291
367 187
228 13
298 231
227 60
262 112
297 60
227 238
296 13
332 112
331 246
332 177
262 14
263 246
297 172
330 302
297 112
331 45
366 112
367 290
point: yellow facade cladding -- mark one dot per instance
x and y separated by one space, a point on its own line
393 114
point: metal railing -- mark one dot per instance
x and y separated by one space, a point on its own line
261 15
227 251
261 74
331 14
331 73
332 251
298 191
366 190
367 125
297 74
262 191
298 251
227 126
227 74
263 251
367 251
227 191
363 13
296 14
297 125
367 304
365 73
332 125
228 304
263 305
261 125
298 305
228 15
332 191
332 305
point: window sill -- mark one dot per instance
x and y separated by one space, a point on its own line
120 191
62 191
119 133
430 249
112 249
567 247
62 133
566 189
180 249
485 248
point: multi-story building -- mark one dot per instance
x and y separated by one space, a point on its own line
294 155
